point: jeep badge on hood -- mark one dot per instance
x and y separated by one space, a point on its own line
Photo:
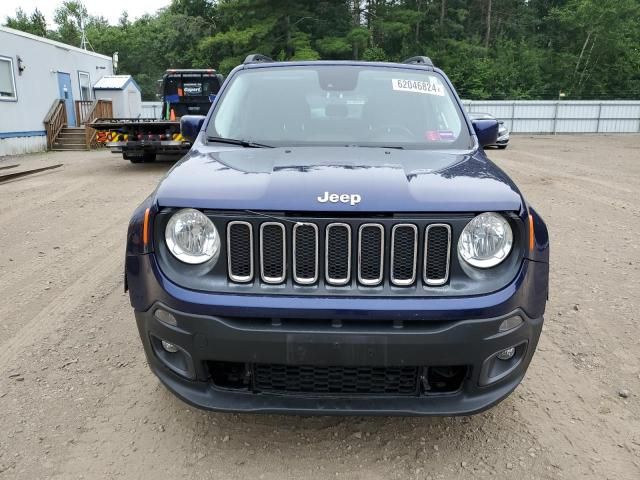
350 198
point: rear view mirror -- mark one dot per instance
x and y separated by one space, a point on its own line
190 126
486 131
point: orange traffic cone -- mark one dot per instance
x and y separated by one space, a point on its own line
172 115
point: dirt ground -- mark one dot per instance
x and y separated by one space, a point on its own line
78 401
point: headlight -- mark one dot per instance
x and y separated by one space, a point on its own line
486 240
191 237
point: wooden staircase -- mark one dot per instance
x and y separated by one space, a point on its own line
70 139
63 138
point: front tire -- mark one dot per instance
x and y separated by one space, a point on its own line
132 158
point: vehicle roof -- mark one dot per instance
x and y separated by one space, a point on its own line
169 71
355 63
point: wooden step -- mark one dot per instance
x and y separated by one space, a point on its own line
70 144
71 134
71 138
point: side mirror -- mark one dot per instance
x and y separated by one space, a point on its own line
190 126
486 130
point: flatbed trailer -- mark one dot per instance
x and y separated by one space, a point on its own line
141 139
184 92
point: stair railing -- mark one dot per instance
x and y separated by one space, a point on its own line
99 109
83 107
55 121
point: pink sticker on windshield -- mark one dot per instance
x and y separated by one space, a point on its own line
432 135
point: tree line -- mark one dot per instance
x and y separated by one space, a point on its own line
491 49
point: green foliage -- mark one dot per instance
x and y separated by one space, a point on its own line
586 48
374 54
35 23
334 47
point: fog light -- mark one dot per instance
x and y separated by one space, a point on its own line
171 348
510 323
503 355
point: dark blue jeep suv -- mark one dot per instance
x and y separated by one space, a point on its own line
337 241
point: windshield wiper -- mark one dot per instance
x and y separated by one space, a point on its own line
236 141
395 147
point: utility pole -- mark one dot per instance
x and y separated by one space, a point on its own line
488 34
357 12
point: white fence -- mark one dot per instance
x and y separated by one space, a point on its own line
539 116
563 116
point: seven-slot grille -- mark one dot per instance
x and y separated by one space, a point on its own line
362 246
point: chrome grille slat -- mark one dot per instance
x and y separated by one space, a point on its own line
370 246
240 251
337 260
273 252
305 256
437 241
404 254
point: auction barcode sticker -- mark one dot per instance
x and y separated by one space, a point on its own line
431 87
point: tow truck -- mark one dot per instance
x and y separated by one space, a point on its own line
183 92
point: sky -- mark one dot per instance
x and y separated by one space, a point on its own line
109 9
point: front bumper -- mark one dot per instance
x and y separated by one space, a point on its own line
473 343
503 140
140 147
378 332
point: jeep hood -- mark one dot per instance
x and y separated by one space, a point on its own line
292 179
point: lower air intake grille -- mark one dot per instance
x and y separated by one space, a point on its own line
336 380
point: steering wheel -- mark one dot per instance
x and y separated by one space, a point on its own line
393 128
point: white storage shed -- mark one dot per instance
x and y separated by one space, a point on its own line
124 93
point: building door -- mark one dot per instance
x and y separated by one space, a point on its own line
134 105
66 94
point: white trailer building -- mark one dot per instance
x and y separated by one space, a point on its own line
35 72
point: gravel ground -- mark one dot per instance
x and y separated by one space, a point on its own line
78 400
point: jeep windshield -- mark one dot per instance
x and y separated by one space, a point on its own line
340 105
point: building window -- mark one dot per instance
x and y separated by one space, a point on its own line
7 79
85 85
